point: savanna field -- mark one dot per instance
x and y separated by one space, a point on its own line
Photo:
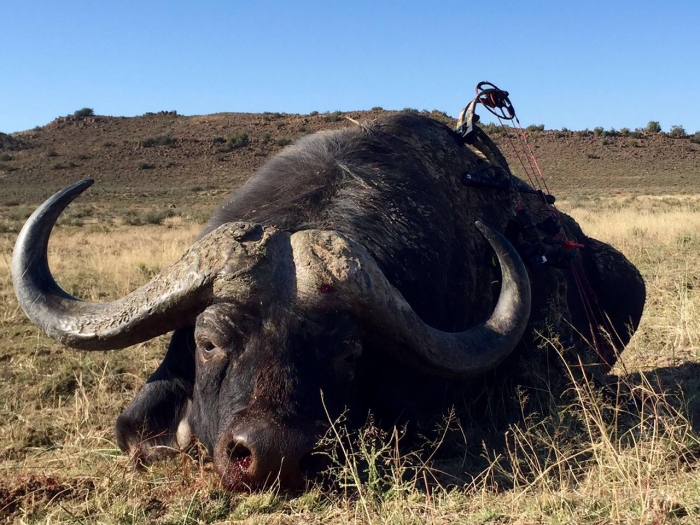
629 457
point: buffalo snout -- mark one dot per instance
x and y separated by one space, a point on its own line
260 454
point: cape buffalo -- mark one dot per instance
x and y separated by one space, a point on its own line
355 269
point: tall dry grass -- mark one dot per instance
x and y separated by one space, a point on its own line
626 457
123 258
661 236
636 224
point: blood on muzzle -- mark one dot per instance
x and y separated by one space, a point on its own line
262 454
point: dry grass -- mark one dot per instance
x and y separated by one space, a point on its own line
124 258
661 236
627 458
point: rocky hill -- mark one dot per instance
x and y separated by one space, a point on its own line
168 153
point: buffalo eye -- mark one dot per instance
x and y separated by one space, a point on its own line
207 346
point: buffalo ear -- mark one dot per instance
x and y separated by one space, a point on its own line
148 427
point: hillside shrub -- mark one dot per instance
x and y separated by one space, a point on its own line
377 108
84 112
313 113
235 141
172 113
492 128
161 140
624 131
695 138
268 116
5 157
157 217
336 116
677 132
283 142
131 218
63 165
653 126
598 131
535 127
165 140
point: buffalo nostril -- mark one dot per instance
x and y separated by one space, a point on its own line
237 450
258 454
235 466
239 455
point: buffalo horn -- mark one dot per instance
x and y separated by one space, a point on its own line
334 269
171 299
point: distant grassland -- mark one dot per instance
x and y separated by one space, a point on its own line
59 462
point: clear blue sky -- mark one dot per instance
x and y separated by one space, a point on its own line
607 63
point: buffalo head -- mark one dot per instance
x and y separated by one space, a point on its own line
271 329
